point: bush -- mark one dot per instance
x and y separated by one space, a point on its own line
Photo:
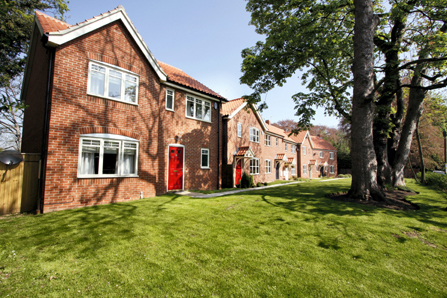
245 180
265 184
259 184
252 183
344 176
436 180
294 178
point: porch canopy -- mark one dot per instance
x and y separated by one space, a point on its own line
280 158
244 152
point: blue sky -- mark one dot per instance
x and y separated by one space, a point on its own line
205 40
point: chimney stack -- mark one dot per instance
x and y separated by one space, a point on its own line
267 121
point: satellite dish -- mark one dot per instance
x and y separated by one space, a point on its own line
10 157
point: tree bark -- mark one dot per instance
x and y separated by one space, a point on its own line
364 165
421 155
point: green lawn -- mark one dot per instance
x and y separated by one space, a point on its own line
283 241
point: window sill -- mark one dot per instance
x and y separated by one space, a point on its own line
114 99
205 168
169 110
192 118
106 176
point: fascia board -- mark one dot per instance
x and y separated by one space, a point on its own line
310 139
63 36
237 110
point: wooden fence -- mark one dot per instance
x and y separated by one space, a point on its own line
19 185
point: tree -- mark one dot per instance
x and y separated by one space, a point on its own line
11 117
316 37
16 21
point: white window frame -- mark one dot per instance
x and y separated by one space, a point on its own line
202 150
268 166
304 169
267 140
109 67
173 99
331 155
293 171
254 166
331 169
304 150
321 154
239 130
277 142
254 135
293 148
204 102
102 138
285 146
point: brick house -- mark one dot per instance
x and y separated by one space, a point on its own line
267 152
110 121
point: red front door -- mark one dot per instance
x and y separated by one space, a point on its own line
238 171
175 171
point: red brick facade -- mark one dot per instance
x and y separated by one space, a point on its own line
74 113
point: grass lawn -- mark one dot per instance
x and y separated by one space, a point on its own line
283 241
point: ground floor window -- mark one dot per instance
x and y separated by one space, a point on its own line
107 155
331 169
205 159
254 166
268 166
293 171
304 169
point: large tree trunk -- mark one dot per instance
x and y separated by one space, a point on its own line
421 154
364 165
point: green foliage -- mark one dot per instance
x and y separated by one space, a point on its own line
16 21
246 180
436 180
344 160
259 184
344 176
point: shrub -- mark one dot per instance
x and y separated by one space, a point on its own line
302 179
259 184
245 180
344 176
252 183
265 183
436 180
294 178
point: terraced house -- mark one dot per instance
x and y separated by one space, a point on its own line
110 121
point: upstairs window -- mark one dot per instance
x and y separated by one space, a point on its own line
285 147
239 130
254 135
267 140
277 142
304 150
170 99
331 155
199 109
293 148
107 155
112 82
321 154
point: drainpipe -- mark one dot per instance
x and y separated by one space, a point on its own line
218 144
44 150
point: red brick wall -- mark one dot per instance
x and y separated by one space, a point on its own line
261 151
304 159
74 112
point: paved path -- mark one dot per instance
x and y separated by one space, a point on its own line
224 193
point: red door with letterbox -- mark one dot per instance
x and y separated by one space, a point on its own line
175 180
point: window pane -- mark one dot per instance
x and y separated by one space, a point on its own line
199 109
190 108
207 115
89 160
169 99
130 91
97 81
205 163
114 87
111 154
129 161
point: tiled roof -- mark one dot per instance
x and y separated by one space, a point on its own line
242 150
319 143
177 76
276 130
291 159
280 156
50 24
299 138
231 106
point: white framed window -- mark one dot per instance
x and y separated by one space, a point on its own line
112 82
331 169
293 148
293 171
268 166
267 140
107 155
304 150
285 146
254 166
254 135
277 142
239 130
170 99
331 155
321 154
304 169
205 158
199 109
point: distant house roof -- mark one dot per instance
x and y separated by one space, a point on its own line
319 143
59 32
231 108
